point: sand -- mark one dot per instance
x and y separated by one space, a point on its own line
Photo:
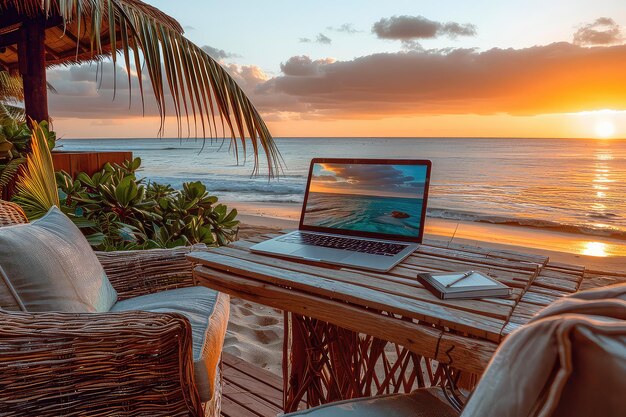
255 332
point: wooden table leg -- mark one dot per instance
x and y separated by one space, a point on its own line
294 364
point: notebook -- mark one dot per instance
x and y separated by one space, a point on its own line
474 285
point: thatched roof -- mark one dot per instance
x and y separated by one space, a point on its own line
68 41
143 37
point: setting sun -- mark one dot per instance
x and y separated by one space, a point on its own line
605 129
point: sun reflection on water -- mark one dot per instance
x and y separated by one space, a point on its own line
594 249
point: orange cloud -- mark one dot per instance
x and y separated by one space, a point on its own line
555 78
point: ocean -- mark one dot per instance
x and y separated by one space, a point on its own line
571 185
365 213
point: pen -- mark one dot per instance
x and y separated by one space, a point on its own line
459 279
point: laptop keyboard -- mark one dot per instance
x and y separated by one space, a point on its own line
338 242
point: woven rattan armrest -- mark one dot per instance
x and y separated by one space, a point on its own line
131 363
139 272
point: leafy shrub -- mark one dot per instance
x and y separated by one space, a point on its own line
118 211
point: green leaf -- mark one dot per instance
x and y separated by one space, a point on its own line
126 191
96 239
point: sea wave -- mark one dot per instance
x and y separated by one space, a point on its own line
242 185
527 222
253 187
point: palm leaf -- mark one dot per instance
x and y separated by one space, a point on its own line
9 112
11 88
12 92
36 185
201 90
8 173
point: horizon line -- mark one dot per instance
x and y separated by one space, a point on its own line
355 137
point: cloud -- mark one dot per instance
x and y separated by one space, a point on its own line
323 39
81 94
361 178
603 31
303 66
554 78
412 45
418 27
345 28
324 178
218 54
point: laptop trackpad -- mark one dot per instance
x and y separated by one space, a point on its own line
321 254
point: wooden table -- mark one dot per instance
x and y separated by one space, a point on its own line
352 333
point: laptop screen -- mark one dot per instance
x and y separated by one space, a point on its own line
384 199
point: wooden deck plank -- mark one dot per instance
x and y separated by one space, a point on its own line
251 401
249 391
231 409
240 381
268 378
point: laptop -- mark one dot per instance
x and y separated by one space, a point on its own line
363 213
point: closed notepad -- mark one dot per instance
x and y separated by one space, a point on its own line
475 285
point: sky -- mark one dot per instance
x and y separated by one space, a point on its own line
405 181
389 68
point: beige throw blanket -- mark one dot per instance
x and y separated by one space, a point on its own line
569 361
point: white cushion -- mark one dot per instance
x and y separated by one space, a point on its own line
207 311
50 266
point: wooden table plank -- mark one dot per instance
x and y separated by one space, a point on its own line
409 288
556 283
500 253
487 260
407 276
478 325
537 298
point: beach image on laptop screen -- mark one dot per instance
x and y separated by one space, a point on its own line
367 198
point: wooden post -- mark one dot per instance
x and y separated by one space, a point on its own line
32 66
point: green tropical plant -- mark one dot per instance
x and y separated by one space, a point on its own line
36 186
118 211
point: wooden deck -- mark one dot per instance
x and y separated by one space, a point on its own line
250 391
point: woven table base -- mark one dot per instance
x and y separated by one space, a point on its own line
327 363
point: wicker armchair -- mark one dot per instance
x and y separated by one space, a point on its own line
97 364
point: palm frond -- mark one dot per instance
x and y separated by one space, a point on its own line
11 88
36 185
203 94
10 171
11 112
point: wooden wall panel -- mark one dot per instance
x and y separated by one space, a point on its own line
89 162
